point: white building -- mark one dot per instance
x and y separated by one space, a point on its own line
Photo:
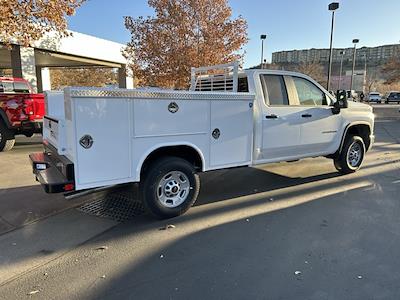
78 50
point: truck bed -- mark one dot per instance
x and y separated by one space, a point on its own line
108 133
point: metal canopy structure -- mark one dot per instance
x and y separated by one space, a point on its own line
76 51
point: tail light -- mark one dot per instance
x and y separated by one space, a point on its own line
29 108
69 187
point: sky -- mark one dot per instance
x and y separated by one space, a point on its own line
288 24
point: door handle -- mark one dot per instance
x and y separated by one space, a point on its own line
306 116
271 116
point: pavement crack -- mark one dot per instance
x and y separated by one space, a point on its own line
6 222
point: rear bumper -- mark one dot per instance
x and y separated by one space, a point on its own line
32 126
54 172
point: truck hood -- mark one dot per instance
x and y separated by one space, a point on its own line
359 106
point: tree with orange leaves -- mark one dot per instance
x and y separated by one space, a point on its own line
181 35
25 21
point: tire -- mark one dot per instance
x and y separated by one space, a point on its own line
347 162
7 138
170 187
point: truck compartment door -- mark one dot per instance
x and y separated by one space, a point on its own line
231 133
102 141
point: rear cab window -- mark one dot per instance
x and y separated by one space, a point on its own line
14 87
274 89
21 87
243 85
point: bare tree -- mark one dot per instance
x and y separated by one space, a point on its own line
182 34
25 21
391 70
372 81
314 70
382 87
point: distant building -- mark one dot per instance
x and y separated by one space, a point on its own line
373 55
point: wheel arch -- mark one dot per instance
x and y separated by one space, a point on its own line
186 151
362 129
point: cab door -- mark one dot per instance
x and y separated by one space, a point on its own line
280 122
319 130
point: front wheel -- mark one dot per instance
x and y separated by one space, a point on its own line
170 187
352 155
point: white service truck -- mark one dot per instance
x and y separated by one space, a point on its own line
95 137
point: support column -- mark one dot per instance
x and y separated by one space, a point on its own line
16 61
129 82
46 80
39 79
122 77
23 64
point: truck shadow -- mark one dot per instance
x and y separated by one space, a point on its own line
227 184
256 255
247 192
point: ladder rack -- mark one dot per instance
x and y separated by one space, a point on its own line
215 78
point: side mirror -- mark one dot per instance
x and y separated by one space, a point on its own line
341 102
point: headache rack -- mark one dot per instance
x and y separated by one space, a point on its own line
215 78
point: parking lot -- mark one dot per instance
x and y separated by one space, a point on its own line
282 231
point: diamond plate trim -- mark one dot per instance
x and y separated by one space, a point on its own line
168 95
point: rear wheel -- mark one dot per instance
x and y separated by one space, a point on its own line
7 138
170 187
352 155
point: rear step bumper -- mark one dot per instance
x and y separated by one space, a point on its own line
55 173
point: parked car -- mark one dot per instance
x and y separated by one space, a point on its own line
374 97
162 139
393 96
21 111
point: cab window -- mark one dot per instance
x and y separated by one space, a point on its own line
308 93
274 90
6 87
21 87
243 85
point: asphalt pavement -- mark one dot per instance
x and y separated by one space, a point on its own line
282 231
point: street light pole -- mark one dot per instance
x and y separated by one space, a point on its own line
332 7
262 37
355 41
365 73
341 68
